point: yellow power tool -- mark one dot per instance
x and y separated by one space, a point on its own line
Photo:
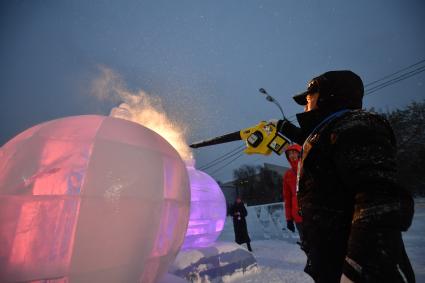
262 138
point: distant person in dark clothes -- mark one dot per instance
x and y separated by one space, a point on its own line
238 212
292 153
352 206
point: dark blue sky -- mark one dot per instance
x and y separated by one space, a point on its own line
205 59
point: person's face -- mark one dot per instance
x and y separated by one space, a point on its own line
238 200
293 155
311 101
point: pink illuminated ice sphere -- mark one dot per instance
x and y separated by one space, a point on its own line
207 210
90 199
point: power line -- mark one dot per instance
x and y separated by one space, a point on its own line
395 80
252 161
402 75
395 73
224 156
240 154
222 160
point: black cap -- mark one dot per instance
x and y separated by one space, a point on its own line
312 87
343 87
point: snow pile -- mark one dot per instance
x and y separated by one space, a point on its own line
221 262
264 222
279 259
414 240
171 278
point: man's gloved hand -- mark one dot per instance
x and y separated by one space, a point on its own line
290 225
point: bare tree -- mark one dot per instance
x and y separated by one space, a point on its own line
258 185
409 129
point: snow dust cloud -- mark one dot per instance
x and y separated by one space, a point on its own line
141 108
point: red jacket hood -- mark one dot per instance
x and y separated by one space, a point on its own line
296 147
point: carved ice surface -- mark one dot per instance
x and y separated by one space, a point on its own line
90 199
207 210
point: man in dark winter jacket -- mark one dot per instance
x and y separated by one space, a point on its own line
352 207
238 211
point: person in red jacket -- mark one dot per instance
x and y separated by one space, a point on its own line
292 153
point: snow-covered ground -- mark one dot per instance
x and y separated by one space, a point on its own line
278 256
414 240
280 259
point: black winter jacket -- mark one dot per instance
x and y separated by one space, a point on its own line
352 207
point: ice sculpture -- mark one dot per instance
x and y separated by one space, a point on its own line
90 199
207 210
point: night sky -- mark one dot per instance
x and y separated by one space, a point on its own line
206 60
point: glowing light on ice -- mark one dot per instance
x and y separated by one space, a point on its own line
207 210
90 199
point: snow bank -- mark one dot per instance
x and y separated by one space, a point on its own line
279 259
221 262
264 222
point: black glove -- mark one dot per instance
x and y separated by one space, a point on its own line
290 225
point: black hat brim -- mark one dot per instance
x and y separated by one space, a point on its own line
301 98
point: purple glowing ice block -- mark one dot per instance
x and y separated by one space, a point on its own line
207 210
90 199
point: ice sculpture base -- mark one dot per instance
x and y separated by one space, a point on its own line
222 261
